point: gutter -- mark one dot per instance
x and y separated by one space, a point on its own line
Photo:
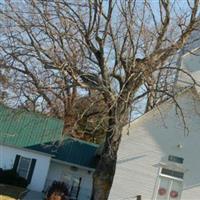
26 149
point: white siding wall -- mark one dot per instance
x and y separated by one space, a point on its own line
7 158
152 137
57 171
190 62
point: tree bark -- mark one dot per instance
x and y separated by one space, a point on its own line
104 173
103 178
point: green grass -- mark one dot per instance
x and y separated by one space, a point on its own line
8 192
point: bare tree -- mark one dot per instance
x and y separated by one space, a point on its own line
52 93
27 84
123 50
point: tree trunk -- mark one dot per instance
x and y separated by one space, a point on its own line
103 178
104 174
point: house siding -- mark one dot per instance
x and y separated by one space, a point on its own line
7 158
190 62
57 171
152 137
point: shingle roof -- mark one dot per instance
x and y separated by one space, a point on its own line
41 133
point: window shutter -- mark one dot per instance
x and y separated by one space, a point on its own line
30 174
16 162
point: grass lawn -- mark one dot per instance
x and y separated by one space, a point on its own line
8 192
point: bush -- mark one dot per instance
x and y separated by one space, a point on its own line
1 172
11 177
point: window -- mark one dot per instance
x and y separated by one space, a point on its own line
175 159
172 173
169 183
24 167
168 189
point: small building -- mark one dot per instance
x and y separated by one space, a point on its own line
159 159
33 145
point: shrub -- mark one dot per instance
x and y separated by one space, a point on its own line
11 177
1 172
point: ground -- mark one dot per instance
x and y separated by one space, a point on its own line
10 192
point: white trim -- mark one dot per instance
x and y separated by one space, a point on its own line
155 193
171 177
190 52
26 149
170 188
173 166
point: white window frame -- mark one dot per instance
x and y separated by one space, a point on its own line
28 170
171 179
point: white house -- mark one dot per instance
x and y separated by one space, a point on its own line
160 158
33 145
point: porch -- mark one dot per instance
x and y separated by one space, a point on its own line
78 180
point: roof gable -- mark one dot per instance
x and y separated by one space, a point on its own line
163 107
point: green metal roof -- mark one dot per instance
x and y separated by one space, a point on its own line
70 150
41 133
21 128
